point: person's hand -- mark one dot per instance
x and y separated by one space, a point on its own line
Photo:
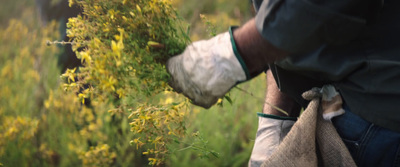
271 131
206 70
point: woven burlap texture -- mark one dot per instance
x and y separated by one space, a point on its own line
312 141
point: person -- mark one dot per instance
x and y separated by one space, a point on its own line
353 45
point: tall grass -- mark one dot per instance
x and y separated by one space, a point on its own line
229 130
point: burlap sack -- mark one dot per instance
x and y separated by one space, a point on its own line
312 141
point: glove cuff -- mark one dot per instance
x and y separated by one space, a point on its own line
276 117
237 54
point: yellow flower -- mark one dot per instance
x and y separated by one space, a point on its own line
153 161
85 57
137 142
138 9
70 74
71 2
169 100
111 13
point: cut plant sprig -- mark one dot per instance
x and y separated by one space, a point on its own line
48 43
273 106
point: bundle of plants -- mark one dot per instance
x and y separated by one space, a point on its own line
123 46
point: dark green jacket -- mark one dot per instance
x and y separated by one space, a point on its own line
353 44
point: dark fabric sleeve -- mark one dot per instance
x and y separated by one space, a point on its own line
298 26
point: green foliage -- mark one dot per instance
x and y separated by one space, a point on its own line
219 13
23 87
41 125
124 46
210 27
14 9
125 80
229 130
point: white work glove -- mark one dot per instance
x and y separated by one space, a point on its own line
206 70
271 131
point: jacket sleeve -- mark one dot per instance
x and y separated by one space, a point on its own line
298 26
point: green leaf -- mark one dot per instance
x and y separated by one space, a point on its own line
177 141
228 99
214 153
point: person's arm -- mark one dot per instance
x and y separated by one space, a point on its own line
275 97
255 51
273 125
293 27
208 69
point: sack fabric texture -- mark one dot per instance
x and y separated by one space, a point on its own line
313 140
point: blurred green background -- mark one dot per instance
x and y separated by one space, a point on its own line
41 125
